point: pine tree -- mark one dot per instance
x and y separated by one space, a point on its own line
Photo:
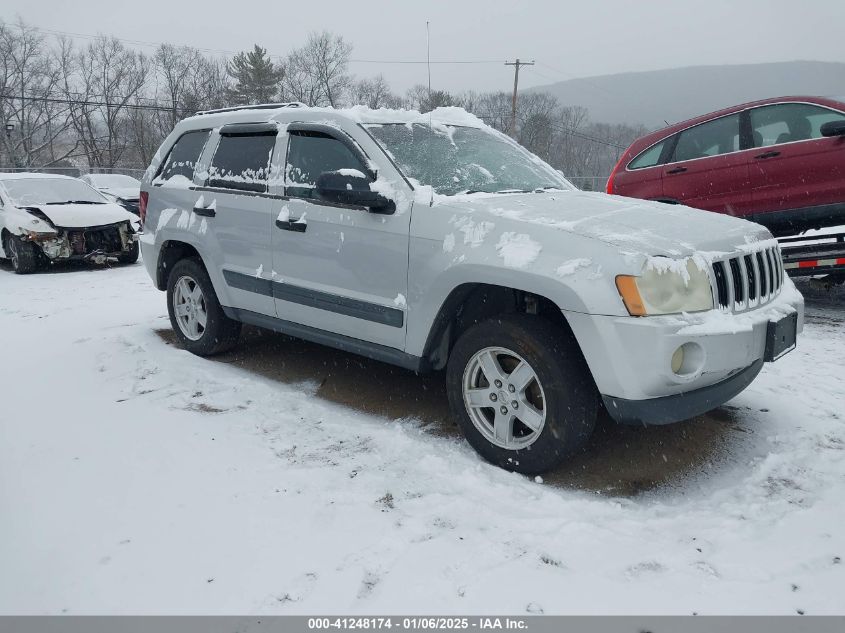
256 77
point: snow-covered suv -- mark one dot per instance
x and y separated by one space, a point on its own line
432 241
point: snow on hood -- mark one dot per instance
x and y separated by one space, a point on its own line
77 216
635 226
127 193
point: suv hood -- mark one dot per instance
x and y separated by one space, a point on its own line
77 216
635 226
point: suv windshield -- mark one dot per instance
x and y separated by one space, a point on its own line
33 191
455 159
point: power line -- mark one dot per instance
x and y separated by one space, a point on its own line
232 52
76 102
156 106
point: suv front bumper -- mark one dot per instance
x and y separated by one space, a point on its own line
631 357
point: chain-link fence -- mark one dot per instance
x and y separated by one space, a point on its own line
589 183
76 172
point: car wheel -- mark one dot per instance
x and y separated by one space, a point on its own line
25 256
195 313
521 392
130 256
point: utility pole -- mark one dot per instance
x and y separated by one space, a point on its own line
516 66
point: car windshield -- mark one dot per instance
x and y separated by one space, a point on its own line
455 159
113 181
34 191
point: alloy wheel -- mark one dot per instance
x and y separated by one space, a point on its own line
504 398
189 308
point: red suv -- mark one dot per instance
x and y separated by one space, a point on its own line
779 162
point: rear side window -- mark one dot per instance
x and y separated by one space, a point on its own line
183 157
789 122
719 136
648 158
242 162
312 153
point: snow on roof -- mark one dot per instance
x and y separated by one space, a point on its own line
362 114
19 175
444 116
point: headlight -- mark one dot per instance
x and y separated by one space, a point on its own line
38 236
667 288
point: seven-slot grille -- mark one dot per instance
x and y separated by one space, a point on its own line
748 280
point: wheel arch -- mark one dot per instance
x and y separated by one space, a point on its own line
172 251
472 302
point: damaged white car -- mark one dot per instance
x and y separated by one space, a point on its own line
46 218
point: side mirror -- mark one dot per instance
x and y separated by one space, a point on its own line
350 186
834 128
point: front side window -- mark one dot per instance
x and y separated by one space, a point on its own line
183 157
648 158
789 122
455 159
719 136
242 162
311 154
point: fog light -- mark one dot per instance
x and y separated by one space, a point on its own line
688 360
678 360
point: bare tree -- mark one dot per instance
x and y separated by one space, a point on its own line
317 74
420 98
174 67
494 108
102 82
29 77
375 93
300 83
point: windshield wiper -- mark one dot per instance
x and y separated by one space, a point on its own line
76 202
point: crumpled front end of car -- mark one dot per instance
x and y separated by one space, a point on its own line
97 244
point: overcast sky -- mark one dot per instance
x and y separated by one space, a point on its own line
567 39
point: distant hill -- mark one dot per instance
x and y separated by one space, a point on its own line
676 94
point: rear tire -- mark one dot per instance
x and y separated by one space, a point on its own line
195 313
25 256
521 392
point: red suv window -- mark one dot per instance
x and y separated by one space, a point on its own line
648 158
719 136
789 122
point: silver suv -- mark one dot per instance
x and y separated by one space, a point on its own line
432 242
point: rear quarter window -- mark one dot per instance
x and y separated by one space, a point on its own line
648 158
184 156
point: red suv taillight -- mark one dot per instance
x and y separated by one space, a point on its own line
609 187
142 206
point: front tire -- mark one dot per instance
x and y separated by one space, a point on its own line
130 256
195 313
521 392
25 256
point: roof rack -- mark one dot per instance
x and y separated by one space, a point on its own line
260 106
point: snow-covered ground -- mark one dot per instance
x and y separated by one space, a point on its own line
136 478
